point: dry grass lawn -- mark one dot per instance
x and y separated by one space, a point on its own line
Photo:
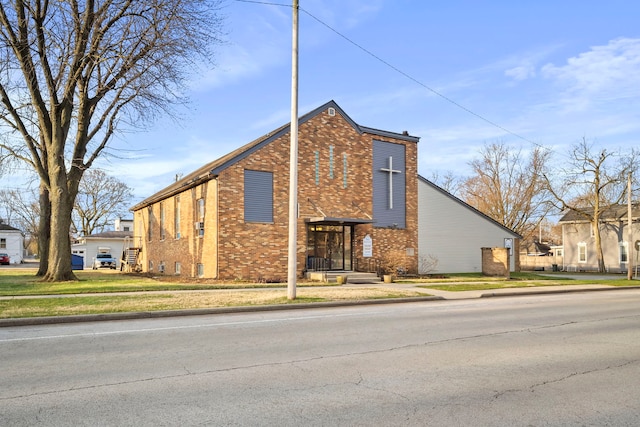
155 301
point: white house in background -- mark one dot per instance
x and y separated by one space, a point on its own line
11 242
112 242
453 233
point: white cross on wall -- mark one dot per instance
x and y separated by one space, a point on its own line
391 171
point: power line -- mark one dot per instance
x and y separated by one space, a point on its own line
399 71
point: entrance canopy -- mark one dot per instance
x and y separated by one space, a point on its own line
330 242
337 221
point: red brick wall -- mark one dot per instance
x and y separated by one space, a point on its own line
234 249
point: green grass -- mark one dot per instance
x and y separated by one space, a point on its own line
24 282
476 281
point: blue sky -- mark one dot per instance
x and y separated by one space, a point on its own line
551 72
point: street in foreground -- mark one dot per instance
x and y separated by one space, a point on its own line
570 359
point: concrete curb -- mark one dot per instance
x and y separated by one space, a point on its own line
542 291
51 320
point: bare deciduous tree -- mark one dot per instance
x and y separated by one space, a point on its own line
447 181
74 72
592 182
509 188
101 198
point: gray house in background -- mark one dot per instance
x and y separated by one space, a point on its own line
580 251
454 232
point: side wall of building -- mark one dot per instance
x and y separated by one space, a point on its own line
14 242
612 234
334 180
179 234
454 235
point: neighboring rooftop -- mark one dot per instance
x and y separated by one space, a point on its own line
612 213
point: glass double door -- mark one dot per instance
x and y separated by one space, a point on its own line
329 247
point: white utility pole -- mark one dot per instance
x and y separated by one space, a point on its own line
293 163
630 243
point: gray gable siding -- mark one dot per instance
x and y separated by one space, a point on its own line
454 232
385 215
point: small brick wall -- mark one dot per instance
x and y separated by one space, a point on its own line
495 262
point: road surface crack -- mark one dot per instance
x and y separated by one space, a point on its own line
532 388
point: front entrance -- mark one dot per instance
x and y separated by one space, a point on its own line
329 247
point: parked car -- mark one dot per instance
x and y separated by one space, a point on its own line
104 261
4 259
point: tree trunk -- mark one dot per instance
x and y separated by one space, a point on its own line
598 242
44 231
59 259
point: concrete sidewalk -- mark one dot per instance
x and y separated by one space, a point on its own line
534 290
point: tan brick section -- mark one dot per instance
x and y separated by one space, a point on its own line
334 180
495 262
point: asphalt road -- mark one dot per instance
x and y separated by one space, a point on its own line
550 360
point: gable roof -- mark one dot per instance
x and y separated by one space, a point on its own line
467 206
611 213
212 169
7 227
109 235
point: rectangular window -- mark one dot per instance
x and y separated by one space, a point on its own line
258 196
201 209
178 268
161 267
176 216
331 161
582 252
317 167
624 253
200 270
162 231
344 170
150 224
3 243
200 223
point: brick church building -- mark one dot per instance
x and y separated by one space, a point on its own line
357 196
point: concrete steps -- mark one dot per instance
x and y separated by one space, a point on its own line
353 277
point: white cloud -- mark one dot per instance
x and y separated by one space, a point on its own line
343 14
521 72
260 41
603 74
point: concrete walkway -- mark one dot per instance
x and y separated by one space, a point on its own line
484 293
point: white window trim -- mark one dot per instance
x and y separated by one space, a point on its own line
624 245
582 245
